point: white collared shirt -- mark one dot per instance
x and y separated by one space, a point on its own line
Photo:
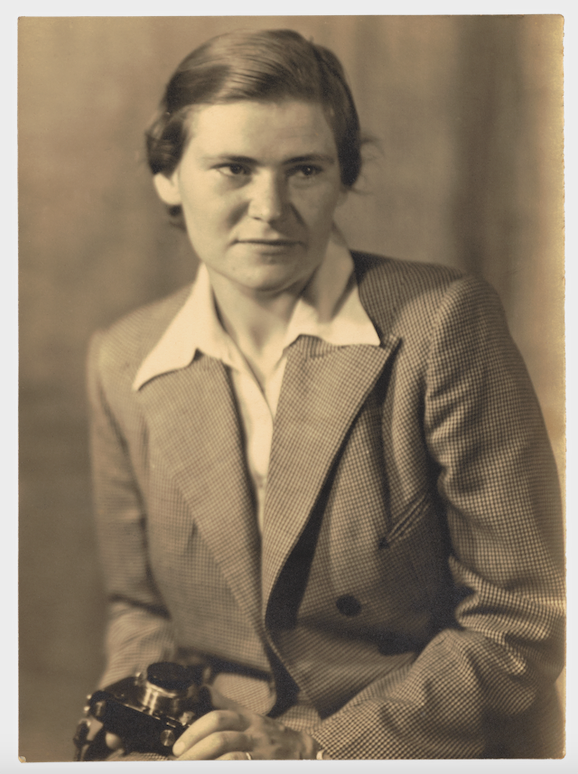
329 308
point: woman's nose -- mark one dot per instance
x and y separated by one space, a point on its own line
268 198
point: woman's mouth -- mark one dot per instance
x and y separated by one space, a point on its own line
270 242
270 246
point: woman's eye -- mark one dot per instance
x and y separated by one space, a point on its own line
307 170
233 170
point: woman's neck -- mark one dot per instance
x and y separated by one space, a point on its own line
257 322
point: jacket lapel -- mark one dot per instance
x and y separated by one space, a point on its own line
193 417
323 389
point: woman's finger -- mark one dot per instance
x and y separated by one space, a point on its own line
113 742
216 745
212 722
237 756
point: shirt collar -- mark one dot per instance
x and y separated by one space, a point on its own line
329 308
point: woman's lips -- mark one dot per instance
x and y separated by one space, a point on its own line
270 242
270 246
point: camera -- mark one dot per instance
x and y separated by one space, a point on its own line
149 711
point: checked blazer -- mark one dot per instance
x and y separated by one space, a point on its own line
409 578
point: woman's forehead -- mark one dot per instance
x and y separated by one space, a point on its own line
245 127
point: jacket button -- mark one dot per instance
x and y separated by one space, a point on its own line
348 605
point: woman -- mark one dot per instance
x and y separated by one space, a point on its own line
325 473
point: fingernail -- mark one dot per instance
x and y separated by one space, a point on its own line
178 748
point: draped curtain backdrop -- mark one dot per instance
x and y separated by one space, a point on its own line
465 170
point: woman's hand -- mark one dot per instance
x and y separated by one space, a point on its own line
231 731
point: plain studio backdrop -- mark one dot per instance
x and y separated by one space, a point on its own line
466 171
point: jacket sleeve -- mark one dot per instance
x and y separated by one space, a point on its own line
474 689
139 628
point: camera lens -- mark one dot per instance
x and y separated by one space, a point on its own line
170 677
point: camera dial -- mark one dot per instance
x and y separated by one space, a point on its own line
167 688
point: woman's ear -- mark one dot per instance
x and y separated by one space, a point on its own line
168 188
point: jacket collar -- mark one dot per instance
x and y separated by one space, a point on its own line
329 308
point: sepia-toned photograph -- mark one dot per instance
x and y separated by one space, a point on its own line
291 388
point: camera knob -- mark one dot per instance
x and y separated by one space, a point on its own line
168 738
99 710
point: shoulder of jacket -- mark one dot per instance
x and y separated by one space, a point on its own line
412 275
400 293
126 342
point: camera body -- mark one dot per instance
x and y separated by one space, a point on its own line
149 711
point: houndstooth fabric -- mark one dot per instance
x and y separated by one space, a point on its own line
409 577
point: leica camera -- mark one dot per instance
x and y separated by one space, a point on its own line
148 712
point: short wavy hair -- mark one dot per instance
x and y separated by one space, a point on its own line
264 66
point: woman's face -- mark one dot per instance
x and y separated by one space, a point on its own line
258 184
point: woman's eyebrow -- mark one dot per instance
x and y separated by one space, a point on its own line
323 158
306 159
231 157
